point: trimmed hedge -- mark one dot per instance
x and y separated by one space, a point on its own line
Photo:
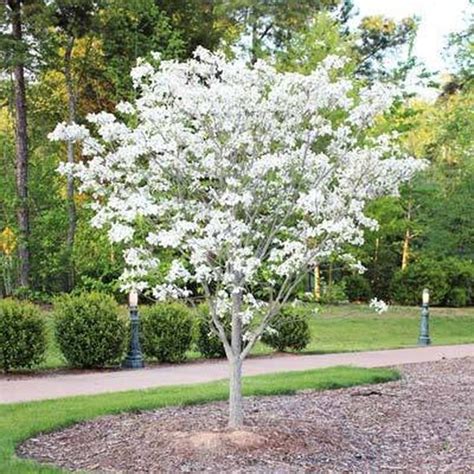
288 330
207 342
457 297
408 284
450 282
167 331
357 288
89 329
23 339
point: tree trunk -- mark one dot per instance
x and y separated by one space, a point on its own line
236 413
406 249
254 39
317 283
376 261
71 205
376 253
406 240
21 146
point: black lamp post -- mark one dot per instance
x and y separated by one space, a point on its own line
424 339
134 359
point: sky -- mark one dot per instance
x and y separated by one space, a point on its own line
438 18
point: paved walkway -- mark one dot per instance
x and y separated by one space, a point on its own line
63 385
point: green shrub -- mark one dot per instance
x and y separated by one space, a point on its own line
27 294
22 335
208 343
89 329
450 281
457 297
167 331
460 274
408 284
334 293
87 284
357 288
288 330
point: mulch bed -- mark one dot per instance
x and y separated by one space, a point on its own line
422 423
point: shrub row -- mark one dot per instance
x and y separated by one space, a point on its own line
90 331
167 331
22 335
450 281
290 330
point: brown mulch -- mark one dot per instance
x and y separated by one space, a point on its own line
422 423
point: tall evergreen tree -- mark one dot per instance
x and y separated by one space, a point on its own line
72 20
17 65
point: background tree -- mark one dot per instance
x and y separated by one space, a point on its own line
14 41
131 30
381 41
73 20
204 23
379 47
268 26
307 48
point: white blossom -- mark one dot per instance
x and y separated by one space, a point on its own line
246 175
378 305
177 272
125 108
141 71
72 132
120 233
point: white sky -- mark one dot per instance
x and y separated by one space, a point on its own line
438 18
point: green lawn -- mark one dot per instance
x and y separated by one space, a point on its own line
21 421
355 327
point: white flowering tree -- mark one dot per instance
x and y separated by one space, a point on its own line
250 176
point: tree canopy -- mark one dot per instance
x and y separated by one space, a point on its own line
77 55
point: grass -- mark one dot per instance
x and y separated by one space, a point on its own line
19 422
352 327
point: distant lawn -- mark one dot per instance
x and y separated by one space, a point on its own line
347 328
21 421
354 327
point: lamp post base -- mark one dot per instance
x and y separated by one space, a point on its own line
134 359
424 341
424 337
133 362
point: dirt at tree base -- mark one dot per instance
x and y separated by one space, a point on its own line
422 423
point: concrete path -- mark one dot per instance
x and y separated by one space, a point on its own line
24 389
